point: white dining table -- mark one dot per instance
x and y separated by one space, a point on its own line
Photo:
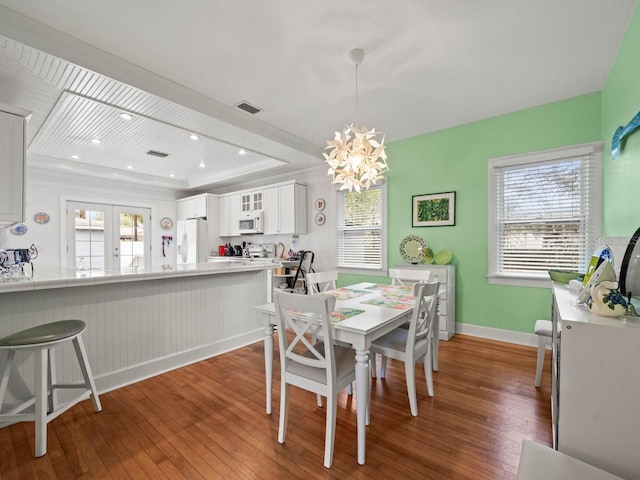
359 331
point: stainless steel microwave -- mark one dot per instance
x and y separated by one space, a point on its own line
251 222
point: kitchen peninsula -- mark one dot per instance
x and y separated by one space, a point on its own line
138 324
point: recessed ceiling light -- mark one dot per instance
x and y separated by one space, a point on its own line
75 157
241 152
194 137
125 116
129 167
95 140
172 174
202 164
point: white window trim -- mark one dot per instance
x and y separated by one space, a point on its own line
537 280
374 272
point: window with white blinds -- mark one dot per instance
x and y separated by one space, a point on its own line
361 229
544 213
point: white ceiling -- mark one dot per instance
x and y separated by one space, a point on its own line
429 64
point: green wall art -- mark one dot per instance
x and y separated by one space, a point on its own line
434 210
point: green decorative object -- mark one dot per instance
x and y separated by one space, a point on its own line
427 256
443 257
565 276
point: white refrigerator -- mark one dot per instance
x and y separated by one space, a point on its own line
192 242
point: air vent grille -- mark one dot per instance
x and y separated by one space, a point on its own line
155 153
247 107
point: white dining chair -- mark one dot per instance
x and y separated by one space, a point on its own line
322 281
322 368
408 276
413 344
403 277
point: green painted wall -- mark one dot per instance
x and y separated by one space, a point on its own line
620 103
456 159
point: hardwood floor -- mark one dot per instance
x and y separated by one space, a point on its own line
207 421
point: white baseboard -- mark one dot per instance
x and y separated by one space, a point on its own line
509 336
136 373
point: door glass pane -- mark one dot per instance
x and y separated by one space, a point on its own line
89 239
131 243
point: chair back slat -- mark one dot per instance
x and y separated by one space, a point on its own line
305 315
404 276
322 281
424 311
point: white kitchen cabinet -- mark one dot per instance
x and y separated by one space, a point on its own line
235 210
194 207
12 167
224 216
285 209
446 275
251 201
596 386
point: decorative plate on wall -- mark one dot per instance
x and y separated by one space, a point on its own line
320 218
166 223
320 203
18 229
41 217
412 248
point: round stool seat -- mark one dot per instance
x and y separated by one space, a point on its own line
543 327
47 333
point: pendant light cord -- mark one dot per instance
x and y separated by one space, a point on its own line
356 96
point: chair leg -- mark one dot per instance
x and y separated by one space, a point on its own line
410 373
40 393
78 345
383 366
51 380
428 372
372 357
4 374
319 400
350 389
542 345
284 411
330 435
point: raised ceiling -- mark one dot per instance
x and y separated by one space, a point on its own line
429 64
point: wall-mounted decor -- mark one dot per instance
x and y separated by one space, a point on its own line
166 223
18 229
41 217
617 144
320 218
320 204
433 210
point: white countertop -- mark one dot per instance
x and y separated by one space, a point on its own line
48 276
570 310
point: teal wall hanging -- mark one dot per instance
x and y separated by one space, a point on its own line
617 144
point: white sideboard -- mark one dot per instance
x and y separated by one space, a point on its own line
446 275
596 387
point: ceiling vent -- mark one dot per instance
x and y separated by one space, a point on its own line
247 107
155 153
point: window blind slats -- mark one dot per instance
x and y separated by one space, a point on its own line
544 214
359 229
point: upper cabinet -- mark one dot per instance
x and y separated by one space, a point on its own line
197 206
284 206
251 201
285 209
12 166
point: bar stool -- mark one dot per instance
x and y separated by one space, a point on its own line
41 340
543 329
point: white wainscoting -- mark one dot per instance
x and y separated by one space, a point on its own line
136 330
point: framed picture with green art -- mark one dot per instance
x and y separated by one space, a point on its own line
434 210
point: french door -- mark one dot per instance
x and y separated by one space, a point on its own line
113 237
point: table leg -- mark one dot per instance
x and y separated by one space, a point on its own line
268 363
362 399
435 348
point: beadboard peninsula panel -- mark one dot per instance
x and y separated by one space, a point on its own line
136 330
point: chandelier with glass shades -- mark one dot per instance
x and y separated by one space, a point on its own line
357 158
